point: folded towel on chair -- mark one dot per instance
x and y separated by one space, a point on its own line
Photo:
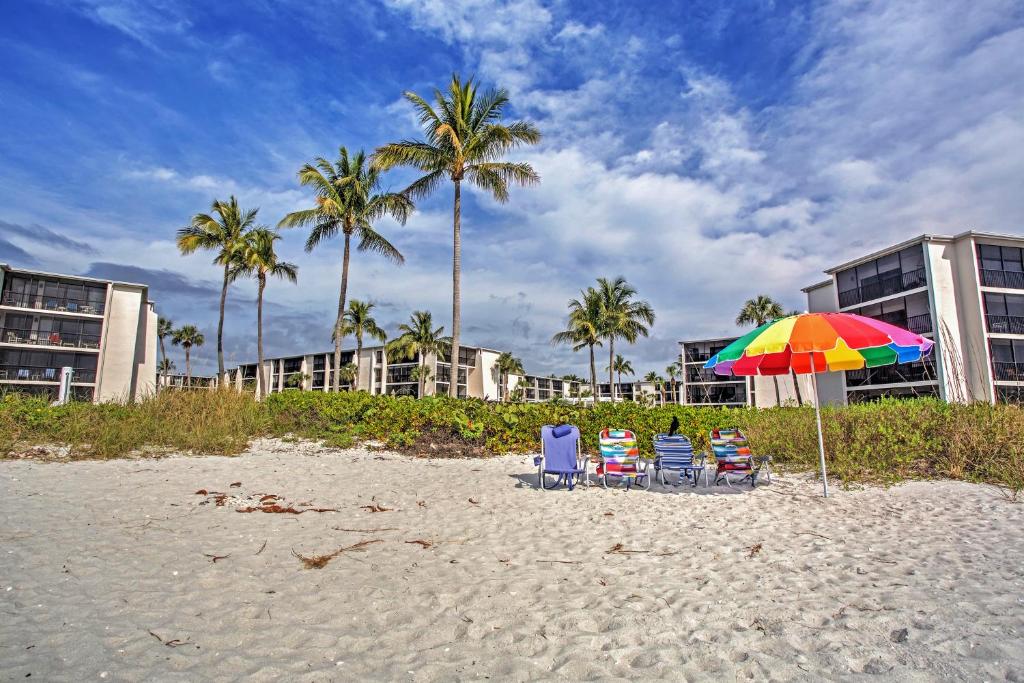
561 430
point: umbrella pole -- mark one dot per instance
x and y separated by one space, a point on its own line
817 417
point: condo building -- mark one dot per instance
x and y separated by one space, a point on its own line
965 292
701 386
477 373
104 330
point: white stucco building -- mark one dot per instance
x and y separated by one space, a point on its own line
105 330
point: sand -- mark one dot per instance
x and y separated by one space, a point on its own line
119 571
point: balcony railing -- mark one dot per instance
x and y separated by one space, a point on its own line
890 284
890 374
1007 279
703 375
1008 372
52 303
74 341
1005 324
23 373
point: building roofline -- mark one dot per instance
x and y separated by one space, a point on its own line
68 276
816 285
709 339
330 352
926 237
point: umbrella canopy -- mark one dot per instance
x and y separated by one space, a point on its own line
819 342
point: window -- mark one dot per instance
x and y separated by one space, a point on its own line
1007 359
1001 266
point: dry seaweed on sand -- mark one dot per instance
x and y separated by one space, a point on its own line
619 549
320 561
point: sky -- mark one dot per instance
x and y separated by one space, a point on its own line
707 151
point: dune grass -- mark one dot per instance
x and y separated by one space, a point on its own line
884 442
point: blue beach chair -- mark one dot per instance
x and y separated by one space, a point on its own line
675 454
560 455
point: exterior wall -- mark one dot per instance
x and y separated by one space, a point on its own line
488 374
940 262
971 318
115 379
145 353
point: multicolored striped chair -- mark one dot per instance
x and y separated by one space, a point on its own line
732 455
675 454
620 457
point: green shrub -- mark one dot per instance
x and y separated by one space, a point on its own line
887 441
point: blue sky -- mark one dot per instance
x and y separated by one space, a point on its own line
707 151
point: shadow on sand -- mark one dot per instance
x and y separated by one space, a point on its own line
529 480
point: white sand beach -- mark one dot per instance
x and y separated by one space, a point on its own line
119 570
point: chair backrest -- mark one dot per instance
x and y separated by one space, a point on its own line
559 451
673 451
618 446
729 446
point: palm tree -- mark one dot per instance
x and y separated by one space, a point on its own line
257 258
223 235
584 328
349 372
164 368
359 321
622 317
507 364
164 329
619 365
674 371
186 337
418 337
658 382
758 311
348 201
464 140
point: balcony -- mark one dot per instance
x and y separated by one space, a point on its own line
891 374
886 285
1008 372
52 340
1005 324
52 303
704 375
29 373
1006 279
918 324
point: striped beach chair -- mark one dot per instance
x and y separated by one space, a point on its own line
732 455
620 457
675 454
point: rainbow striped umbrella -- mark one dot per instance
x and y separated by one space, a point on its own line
819 342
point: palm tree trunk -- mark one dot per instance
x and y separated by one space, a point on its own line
778 396
339 321
796 387
421 378
359 359
163 363
188 367
260 389
593 373
220 327
453 383
611 371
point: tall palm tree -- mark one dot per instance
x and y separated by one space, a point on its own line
165 367
507 364
257 258
164 329
658 382
464 139
622 317
348 201
757 312
619 366
674 371
186 337
221 234
584 328
418 337
359 321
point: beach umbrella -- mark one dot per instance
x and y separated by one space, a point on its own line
819 342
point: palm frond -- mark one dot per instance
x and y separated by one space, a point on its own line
371 240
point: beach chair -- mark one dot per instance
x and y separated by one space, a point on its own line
675 454
733 456
620 457
560 455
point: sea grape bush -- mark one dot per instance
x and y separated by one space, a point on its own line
887 441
